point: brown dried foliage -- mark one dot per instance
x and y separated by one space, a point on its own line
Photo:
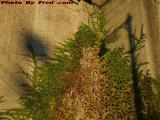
85 97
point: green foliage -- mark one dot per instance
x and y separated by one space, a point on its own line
71 50
43 98
3 115
119 86
150 99
112 37
148 85
85 36
97 23
16 114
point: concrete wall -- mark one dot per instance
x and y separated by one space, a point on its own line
152 12
142 12
45 24
49 24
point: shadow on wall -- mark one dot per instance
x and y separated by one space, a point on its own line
132 52
137 97
138 84
35 46
13 77
35 52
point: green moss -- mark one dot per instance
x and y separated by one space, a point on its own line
119 86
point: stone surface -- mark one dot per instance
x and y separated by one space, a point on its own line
50 24
45 24
142 13
99 2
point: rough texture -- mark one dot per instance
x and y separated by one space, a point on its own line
50 24
85 99
142 12
46 25
99 2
